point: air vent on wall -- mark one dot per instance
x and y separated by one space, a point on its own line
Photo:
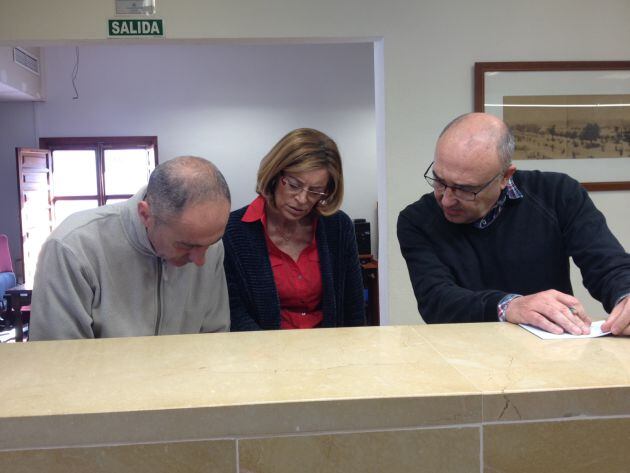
24 59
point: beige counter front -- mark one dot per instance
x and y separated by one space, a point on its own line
441 398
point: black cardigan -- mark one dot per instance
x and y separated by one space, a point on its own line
254 303
459 273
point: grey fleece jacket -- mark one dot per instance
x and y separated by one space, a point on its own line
98 276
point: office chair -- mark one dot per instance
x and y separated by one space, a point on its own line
7 276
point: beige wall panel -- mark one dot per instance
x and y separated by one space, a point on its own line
597 446
391 452
188 457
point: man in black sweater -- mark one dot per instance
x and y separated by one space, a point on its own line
493 243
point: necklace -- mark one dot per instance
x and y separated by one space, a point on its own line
286 236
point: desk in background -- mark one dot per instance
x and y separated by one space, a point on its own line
369 268
18 308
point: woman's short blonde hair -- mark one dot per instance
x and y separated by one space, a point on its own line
303 149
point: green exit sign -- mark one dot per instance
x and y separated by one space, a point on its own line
136 28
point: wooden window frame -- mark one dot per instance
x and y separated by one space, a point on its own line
99 145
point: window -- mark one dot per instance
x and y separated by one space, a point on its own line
90 172
72 174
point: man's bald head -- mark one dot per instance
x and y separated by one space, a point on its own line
474 154
184 181
481 130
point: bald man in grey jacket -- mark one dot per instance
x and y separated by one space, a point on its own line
152 265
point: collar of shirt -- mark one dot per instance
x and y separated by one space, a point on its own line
256 211
510 192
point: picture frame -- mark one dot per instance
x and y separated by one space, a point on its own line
567 116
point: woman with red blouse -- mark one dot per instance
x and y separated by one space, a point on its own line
291 258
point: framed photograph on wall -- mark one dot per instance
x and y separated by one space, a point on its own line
571 117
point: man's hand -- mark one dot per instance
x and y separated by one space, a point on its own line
618 322
554 312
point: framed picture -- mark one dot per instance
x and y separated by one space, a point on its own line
571 117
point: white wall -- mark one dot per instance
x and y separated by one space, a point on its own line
17 82
16 130
429 48
227 103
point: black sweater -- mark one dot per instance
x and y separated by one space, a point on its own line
254 303
459 273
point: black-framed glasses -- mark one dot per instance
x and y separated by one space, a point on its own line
295 187
460 192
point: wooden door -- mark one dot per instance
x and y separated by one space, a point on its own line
36 209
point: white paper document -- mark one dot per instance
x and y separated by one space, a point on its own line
596 331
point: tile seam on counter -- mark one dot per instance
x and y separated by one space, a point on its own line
446 359
236 439
247 437
481 436
557 419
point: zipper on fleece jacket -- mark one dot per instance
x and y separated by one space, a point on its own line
159 296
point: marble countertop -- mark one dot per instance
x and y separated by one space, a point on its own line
315 380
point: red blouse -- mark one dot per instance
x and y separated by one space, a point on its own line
299 283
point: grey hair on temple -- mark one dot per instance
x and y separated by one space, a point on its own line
183 181
505 141
505 147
